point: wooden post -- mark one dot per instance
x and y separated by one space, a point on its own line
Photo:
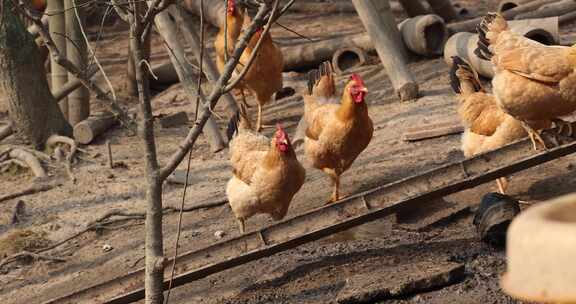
191 36
413 8
79 99
444 9
168 31
57 27
386 37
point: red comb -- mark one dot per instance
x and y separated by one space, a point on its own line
231 5
357 79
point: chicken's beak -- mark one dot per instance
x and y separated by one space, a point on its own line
365 90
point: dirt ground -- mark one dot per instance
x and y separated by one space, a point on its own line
314 273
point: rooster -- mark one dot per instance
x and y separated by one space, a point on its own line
337 132
532 81
266 173
264 77
486 126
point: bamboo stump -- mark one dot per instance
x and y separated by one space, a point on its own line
388 42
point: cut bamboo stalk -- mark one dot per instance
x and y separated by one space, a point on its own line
424 35
79 99
168 31
348 58
388 42
70 86
57 27
444 9
87 130
413 8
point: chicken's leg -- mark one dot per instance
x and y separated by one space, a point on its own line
562 124
502 184
534 136
242 226
336 193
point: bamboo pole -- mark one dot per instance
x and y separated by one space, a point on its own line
79 99
383 30
57 27
167 30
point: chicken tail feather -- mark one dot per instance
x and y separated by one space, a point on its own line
490 26
463 78
238 121
321 81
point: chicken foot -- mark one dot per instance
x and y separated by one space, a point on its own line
502 184
534 136
242 226
336 193
561 125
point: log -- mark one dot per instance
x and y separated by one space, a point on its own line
470 25
510 4
413 8
549 10
424 35
167 29
444 9
386 37
87 130
348 58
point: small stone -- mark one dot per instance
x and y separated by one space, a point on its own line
106 247
219 234
110 176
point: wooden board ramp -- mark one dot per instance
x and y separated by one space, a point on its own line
353 211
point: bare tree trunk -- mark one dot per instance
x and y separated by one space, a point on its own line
79 99
32 108
131 86
154 277
57 27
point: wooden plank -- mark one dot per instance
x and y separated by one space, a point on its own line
433 133
321 222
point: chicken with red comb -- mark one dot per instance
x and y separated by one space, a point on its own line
336 133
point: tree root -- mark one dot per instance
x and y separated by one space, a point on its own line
6 131
22 158
29 255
